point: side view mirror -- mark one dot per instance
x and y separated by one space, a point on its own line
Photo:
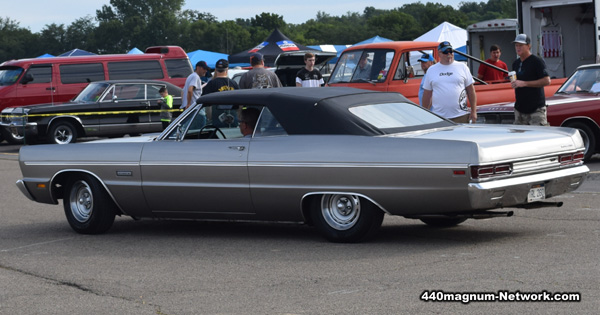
27 78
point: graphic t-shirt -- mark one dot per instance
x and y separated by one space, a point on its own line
311 78
448 83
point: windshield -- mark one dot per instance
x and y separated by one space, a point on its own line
362 66
91 93
394 115
582 81
10 75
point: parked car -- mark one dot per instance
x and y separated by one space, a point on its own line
337 158
103 108
576 104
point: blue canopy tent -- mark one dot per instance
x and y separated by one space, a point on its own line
76 52
210 57
135 51
375 39
45 56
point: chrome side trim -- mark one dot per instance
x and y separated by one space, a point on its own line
342 193
89 173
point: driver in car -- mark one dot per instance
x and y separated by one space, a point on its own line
248 116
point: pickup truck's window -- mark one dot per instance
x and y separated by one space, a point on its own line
147 69
409 66
362 66
40 74
178 68
81 73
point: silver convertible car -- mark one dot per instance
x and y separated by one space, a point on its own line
336 158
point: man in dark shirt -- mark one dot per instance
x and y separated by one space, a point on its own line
530 105
220 83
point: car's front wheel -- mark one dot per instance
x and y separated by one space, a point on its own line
345 218
62 132
88 207
11 137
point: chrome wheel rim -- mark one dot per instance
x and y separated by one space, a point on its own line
63 135
81 201
341 212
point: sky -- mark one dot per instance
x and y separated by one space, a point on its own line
36 14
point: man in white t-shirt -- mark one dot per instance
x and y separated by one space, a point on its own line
193 85
448 85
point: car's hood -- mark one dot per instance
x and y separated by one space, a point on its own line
36 107
507 142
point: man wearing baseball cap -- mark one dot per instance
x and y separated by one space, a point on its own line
193 85
532 76
259 77
221 81
448 85
426 61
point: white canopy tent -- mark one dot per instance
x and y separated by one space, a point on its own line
447 32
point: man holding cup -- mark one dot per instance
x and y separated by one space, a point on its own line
531 77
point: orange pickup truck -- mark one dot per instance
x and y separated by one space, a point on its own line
394 67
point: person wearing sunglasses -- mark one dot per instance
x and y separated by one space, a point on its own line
447 87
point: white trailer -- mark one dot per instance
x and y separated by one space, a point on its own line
482 35
563 32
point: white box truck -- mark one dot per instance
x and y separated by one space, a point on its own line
563 32
482 35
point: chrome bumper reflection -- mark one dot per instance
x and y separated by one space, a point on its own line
24 190
513 191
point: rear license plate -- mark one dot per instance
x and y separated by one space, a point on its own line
537 192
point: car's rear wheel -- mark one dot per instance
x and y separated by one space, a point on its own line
588 136
345 218
443 222
62 132
88 207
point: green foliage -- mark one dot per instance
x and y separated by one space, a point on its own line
125 24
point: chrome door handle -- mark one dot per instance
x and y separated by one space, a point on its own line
239 148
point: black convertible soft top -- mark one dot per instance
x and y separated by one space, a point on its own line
311 110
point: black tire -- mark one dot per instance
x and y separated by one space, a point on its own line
11 137
443 222
62 132
589 138
344 218
88 207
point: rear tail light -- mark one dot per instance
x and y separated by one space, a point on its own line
571 158
486 171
